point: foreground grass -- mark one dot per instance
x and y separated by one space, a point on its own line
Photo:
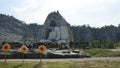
17 65
67 64
102 52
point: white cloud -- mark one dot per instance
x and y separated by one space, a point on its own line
75 11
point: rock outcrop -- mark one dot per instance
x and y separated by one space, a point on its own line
56 29
14 30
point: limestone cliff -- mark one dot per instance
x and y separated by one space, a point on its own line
14 30
56 28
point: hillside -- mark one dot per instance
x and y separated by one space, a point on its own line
14 30
86 33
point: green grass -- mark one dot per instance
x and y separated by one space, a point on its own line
17 65
62 65
102 52
67 64
100 64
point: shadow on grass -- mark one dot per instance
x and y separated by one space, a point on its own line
4 65
37 66
17 66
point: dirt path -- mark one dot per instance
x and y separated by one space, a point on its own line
67 59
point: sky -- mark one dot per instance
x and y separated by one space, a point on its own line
96 13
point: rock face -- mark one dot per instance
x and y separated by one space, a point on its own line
56 29
14 30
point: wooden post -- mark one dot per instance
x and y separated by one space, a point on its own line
23 59
40 58
5 58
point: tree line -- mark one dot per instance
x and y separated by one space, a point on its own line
104 37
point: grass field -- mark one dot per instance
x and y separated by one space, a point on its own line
67 64
102 52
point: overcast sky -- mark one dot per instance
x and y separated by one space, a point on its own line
96 13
